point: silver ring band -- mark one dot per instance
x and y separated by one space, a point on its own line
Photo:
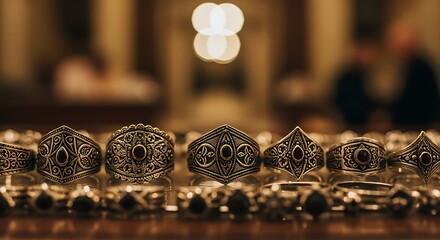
357 156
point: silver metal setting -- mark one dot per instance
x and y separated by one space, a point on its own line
421 156
296 154
65 155
224 154
359 155
139 153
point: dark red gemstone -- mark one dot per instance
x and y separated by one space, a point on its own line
425 158
298 153
363 156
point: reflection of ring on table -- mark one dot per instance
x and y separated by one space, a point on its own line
65 155
135 198
224 154
296 154
376 196
421 156
310 197
46 198
357 156
197 202
139 153
14 159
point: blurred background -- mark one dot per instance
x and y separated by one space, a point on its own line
325 65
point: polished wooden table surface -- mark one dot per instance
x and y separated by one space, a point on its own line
170 227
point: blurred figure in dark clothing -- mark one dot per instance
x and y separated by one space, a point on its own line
351 93
418 102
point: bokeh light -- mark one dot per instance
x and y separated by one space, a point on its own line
217 27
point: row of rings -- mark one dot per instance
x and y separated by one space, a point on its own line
136 153
83 200
273 202
140 153
283 201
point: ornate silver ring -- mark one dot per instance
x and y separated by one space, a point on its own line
296 154
65 155
357 156
139 153
224 154
421 156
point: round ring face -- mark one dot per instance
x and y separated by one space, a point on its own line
296 154
359 155
421 156
139 153
65 155
224 154
15 159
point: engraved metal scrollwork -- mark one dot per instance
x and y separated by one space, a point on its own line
65 155
139 153
14 159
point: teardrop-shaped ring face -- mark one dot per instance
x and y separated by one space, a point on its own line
65 155
296 154
224 154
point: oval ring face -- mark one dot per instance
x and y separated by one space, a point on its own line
139 153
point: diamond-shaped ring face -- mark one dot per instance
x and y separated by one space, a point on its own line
358 155
224 154
296 154
65 155
421 156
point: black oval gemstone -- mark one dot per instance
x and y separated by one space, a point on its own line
315 204
127 202
363 156
62 156
44 201
83 204
139 152
4 205
226 152
425 158
238 203
197 205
